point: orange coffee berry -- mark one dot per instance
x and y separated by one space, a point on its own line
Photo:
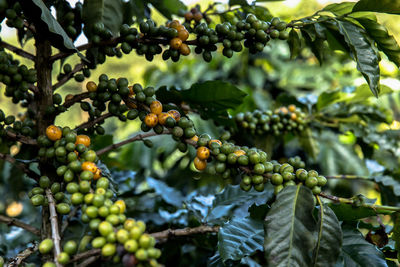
203 153
188 16
214 141
199 164
292 108
163 117
89 166
82 139
195 138
184 49
239 152
156 107
97 174
53 133
197 16
151 120
175 114
91 86
175 43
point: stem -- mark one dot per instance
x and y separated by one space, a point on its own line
86 254
20 165
21 138
44 100
89 124
140 136
88 261
75 99
20 257
54 225
17 50
377 208
68 76
14 222
350 177
185 231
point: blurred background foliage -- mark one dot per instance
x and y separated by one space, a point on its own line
350 132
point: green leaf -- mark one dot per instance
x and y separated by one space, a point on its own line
168 194
214 95
383 6
346 212
168 7
385 42
396 230
290 227
329 239
238 2
46 24
240 237
359 253
308 142
340 8
109 12
294 43
363 52
390 182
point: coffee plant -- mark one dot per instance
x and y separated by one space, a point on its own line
226 160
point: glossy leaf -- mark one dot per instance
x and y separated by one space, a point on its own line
329 239
108 12
346 212
383 6
294 43
357 252
169 194
340 9
363 52
46 24
168 7
290 227
240 237
385 42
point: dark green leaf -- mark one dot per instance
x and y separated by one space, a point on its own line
385 42
213 96
384 6
363 52
109 12
340 8
359 253
346 212
294 43
396 230
46 24
168 194
240 237
329 239
238 2
168 7
308 142
290 227
388 181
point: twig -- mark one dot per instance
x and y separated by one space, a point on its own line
68 76
21 138
185 231
86 254
76 98
20 165
14 222
350 177
69 217
88 261
89 124
140 136
17 50
377 208
54 225
20 257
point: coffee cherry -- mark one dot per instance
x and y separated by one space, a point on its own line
311 181
151 120
46 246
175 43
53 133
199 164
63 258
105 228
63 208
108 250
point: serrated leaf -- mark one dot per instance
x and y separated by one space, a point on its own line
329 239
363 52
340 8
168 7
46 24
109 12
240 237
290 227
346 212
359 253
385 42
383 6
294 43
